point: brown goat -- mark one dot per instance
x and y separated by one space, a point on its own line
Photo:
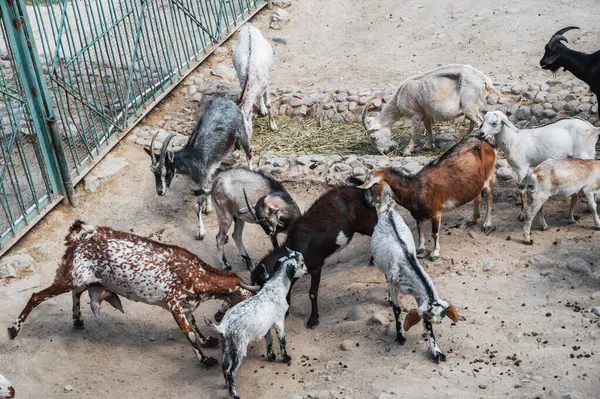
457 177
141 270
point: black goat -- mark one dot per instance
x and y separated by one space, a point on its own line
326 227
584 66
219 131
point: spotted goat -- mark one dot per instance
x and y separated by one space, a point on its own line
141 270
233 193
393 249
241 326
326 227
456 178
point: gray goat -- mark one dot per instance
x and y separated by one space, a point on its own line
441 94
393 249
232 194
219 131
253 59
254 318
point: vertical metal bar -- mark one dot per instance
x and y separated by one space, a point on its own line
62 163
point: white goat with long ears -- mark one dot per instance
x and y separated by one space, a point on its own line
441 94
6 388
253 59
526 148
393 249
254 318
564 177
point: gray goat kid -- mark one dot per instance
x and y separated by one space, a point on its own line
441 94
232 194
219 131
240 325
253 59
393 249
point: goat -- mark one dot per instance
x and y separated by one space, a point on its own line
564 177
441 94
141 270
240 326
253 59
584 66
457 177
219 130
393 249
6 388
326 227
568 137
232 193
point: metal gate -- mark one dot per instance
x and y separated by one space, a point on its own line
77 74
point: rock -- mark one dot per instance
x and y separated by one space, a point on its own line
280 39
492 99
68 388
197 97
347 345
282 3
488 266
108 169
559 105
540 98
300 111
341 167
504 173
225 71
296 397
380 318
412 167
19 262
578 265
518 89
595 310
549 113
540 261
7 271
523 113
537 110
279 18
595 295
357 313
571 105
391 330
23 285
583 108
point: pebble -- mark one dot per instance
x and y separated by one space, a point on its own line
391 330
488 266
7 271
504 173
380 318
578 265
540 261
596 310
482 386
197 97
279 18
357 313
595 295
348 345
296 397
68 388
19 262
280 39
225 71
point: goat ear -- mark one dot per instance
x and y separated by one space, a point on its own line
412 318
452 314
508 123
551 59
370 182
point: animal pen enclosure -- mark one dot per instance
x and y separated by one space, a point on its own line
76 75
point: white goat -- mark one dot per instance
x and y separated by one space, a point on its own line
441 94
393 249
564 177
253 319
6 388
525 148
252 59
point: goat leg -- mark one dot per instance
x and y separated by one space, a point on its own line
279 328
315 280
421 248
185 326
393 296
435 232
210 342
289 297
270 352
77 319
438 355
476 212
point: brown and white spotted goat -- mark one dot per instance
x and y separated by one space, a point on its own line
457 177
141 270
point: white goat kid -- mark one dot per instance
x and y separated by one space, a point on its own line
441 94
253 319
393 249
525 148
253 59
564 177
6 388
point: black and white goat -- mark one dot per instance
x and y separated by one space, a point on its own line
393 249
241 195
326 227
219 131
253 59
254 318
584 66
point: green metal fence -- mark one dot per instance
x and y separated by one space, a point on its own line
76 74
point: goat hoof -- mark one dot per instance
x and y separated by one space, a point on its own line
432 257
219 316
544 228
521 217
488 229
286 359
78 324
401 340
227 266
528 242
470 223
271 357
209 362
439 357
372 261
211 342
199 236
12 333
597 228
312 323
273 126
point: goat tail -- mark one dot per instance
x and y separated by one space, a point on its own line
244 94
79 230
489 87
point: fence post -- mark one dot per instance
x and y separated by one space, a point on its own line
22 43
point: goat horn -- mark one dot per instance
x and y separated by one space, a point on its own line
250 209
152 153
563 30
253 288
554 40
365 110
163 150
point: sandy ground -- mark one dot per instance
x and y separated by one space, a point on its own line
518 339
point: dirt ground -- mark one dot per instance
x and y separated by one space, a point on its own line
527 332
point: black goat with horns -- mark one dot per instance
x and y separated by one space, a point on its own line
584 66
